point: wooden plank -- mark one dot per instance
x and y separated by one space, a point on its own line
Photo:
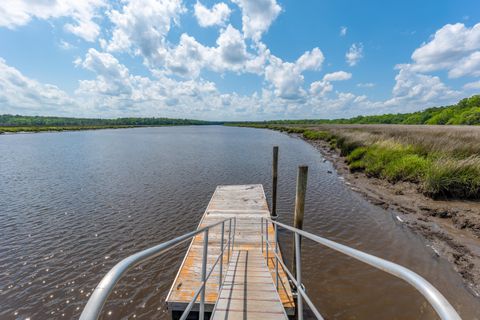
247 276
247 203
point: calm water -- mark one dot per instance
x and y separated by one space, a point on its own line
73 204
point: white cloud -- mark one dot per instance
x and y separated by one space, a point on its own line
343 31
112 77
472 86
454 47
142 26
116 92
65 45
320 88
337 76
257 16
14 13
217 15
468 66
20 94
366 85
231 47
287 77
354 54
324 86
416 90
189 57
310 60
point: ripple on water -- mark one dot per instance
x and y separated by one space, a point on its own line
75 203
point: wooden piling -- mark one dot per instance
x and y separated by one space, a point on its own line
274 182
299 205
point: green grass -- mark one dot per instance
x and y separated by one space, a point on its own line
443 163
388 160
453 178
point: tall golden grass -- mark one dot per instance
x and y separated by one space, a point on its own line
443 160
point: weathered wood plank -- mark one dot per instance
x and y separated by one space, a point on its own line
239 292
248 205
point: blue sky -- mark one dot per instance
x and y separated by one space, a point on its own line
236 60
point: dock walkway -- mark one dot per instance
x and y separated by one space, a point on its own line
248 289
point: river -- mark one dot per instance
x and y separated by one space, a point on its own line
72 204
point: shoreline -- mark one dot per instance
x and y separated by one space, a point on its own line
451 227
40 129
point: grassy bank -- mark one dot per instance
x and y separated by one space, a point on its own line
443 161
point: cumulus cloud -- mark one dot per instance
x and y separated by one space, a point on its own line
472 86
81 14
189 57
343 31
324 86
20 94
257 16
217 15
117 92
468 66
287 78
141 27
175 86
231 46
320 88
337 76
454 47
416 90
354 54
112 77
310 60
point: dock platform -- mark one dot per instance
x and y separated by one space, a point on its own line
248 289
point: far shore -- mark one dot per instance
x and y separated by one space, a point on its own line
37 129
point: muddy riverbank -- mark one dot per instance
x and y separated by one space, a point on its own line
450 227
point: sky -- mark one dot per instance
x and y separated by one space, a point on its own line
236 59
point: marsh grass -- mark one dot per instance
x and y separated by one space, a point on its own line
448 177
443 160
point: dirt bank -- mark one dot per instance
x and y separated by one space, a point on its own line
451 227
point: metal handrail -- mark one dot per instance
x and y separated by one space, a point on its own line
97 300
441 305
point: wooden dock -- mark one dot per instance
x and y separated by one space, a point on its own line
248 289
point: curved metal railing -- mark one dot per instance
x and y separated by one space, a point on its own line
441 306
97 300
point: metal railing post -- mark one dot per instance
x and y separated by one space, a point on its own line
298 264
229 237
261 231
201 313
234 231
266 237
221 259
276 256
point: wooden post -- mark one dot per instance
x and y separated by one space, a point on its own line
274 182
299 205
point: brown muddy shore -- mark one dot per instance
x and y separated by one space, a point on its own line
450 227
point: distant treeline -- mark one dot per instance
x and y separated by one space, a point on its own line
7 120
465 112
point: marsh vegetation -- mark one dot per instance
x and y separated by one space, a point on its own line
443 160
